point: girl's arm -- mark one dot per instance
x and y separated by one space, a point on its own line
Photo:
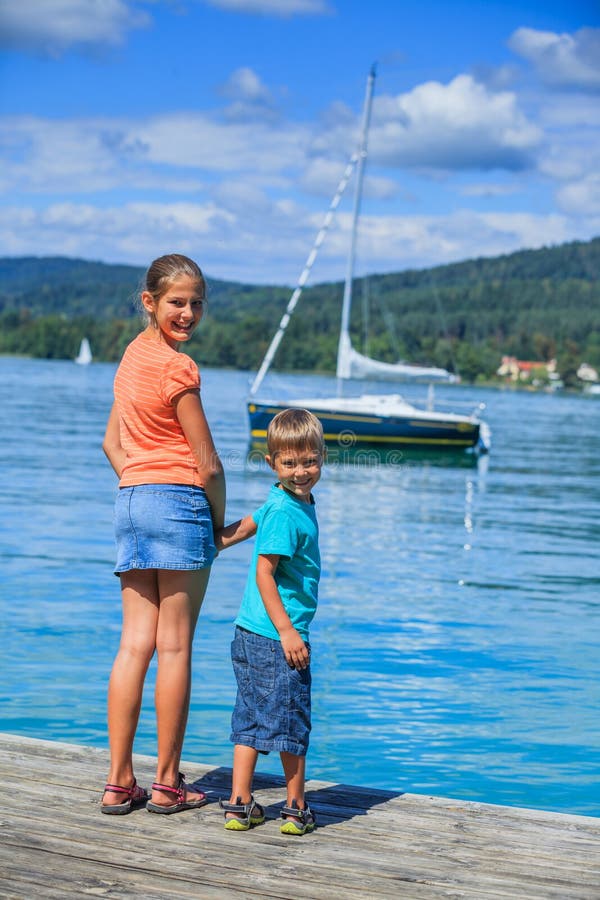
296 651
234 533
190 413
112 442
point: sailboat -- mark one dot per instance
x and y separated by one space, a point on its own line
84 357
383 420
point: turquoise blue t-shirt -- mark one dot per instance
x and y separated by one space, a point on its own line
287 527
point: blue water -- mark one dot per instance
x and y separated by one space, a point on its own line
456 646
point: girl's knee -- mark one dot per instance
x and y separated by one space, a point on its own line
138 651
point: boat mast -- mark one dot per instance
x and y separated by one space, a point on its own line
344 346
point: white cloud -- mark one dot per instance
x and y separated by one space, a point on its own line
269 244
435 128
461 125
395 243
222 240
562 60
284 8
237 146
251 99
84 155
245 189
581 198
49 157
488 190
321 176
50 27
245 84
242 198
569 111
569 155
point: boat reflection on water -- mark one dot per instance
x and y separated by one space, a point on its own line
371 457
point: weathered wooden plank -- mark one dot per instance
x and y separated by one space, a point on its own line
380 874
54 842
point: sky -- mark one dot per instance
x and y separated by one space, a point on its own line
221 129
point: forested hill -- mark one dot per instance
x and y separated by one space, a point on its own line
533 304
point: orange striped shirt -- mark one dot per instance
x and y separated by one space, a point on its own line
150 376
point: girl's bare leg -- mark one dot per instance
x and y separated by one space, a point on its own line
294 770
139 590
181 596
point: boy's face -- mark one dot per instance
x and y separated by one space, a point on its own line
297 470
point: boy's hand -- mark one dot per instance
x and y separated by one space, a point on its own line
296 652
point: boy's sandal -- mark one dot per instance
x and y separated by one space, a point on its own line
136 796
180 794
297 821
241 816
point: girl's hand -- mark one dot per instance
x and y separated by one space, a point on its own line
234 533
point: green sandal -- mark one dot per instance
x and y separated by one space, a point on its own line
243 815
302 822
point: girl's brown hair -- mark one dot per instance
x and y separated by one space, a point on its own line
164 270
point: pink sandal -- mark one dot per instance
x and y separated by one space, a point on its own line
180 792
136 796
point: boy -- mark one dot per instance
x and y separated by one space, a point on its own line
270 650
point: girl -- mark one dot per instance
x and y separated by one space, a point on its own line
171 498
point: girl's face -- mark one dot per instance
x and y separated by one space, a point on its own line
178 311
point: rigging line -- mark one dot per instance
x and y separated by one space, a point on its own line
440 309
365 315
268 359
372 298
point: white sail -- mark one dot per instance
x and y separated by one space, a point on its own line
352 364
84 357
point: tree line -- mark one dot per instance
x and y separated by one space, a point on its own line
533 304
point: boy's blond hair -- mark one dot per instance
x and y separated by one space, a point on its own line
294 429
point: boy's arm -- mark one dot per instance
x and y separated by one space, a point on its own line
234 533
296 651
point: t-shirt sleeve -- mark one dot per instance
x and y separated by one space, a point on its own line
277 534
181 374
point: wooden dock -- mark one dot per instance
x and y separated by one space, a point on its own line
54 843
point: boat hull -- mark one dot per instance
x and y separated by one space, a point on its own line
348 429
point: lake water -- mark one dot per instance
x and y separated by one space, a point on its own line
456 646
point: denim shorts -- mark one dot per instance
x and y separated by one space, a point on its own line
163 526
272 707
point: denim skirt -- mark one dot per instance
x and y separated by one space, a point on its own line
163 526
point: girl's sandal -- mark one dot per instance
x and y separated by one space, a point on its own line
242 816
136 796
181 801
297 821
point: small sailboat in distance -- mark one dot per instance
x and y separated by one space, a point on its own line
84 357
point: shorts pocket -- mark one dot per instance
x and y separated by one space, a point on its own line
262 670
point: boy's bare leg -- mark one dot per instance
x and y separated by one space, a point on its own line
294 768
244 764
